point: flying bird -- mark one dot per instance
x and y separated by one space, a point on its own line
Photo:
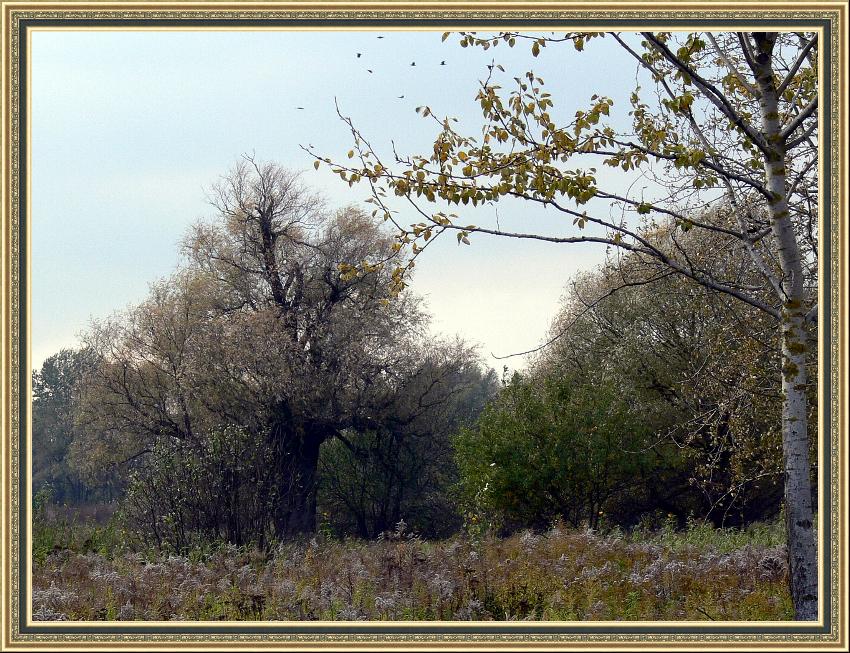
380 37
299 107
359 54
412 63
400 97
368 71
442 63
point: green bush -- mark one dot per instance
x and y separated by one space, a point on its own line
557 448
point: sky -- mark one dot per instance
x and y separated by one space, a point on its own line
131 128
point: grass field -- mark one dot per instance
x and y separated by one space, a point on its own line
697 574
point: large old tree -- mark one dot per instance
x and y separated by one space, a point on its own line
727 118
263 328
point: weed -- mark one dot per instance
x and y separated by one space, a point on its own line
696 574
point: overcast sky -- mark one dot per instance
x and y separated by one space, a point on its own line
130 128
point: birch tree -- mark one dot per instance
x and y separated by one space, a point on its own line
715 117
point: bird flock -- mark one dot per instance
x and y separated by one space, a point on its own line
359 55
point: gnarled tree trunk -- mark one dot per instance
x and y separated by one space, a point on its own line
297 457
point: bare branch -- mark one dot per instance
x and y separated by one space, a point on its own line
746 48
790 145
660 256
587 307
801 117
812 314
796 65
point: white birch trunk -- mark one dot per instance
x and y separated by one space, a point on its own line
802 550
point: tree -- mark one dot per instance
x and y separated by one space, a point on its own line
729 117
263 329
56 393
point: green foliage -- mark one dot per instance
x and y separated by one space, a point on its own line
43 537
559 448
70 531
700 372
701 534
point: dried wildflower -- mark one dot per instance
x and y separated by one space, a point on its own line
529 539
53 597
563 574
45 613
126 612
473 610
441 586
385 602
773 566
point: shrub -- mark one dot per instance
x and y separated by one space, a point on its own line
217 488
557 448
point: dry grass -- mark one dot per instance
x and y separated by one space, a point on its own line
559 575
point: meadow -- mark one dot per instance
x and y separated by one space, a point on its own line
700 573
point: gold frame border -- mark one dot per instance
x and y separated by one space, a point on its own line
453 13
